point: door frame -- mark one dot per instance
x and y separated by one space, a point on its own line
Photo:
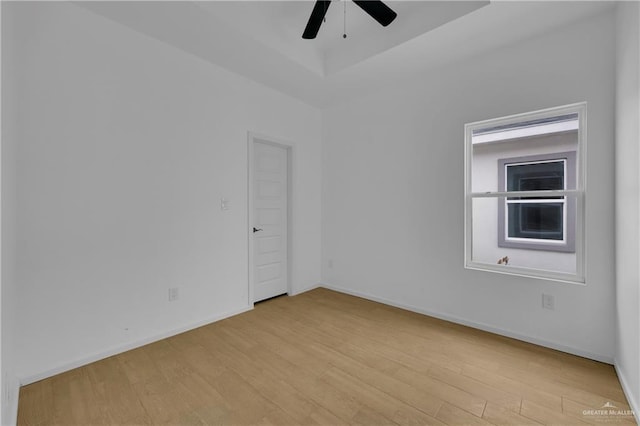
252 138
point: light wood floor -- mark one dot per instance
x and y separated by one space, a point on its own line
327 358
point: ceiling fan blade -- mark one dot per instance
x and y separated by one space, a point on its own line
315 20
377 10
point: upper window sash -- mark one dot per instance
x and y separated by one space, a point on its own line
578 109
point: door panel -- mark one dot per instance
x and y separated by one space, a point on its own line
270 216
269 272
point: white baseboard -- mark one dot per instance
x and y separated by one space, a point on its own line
79 362
631 398
474 324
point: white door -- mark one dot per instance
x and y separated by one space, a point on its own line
270 191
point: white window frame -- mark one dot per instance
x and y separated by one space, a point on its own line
578 193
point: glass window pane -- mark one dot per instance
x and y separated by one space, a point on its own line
542 221
536 176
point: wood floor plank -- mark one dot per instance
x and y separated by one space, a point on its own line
325 358
392 408
550 383
446 392
493 394
325 399
405 392
545 416
499 415
518 387
453 415
37 404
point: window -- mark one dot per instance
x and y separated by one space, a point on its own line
537 223
524 194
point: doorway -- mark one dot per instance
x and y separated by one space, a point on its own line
269 218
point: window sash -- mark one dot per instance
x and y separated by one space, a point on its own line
570 278
561 193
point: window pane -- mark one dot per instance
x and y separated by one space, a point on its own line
542 221
536 176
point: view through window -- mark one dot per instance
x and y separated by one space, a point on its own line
524 194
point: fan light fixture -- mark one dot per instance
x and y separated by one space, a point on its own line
375 8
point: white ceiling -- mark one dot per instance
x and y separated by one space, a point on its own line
279 25
262 40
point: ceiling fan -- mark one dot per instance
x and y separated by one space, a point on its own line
375 8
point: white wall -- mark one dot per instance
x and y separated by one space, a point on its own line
8 290
126 146
119 185
485 210
628 200
393 190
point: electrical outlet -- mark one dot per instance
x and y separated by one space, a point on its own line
548 302
173 294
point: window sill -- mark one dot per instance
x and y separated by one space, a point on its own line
527 273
